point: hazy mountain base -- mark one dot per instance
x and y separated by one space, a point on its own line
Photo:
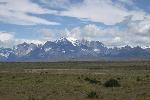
74 80
67 59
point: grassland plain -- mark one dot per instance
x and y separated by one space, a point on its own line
74 80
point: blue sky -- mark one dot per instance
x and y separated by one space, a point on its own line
113 22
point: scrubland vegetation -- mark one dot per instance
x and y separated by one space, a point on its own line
126 80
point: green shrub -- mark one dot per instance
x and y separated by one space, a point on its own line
78 77
13 77
112 83
31 98
92 95
147 76
118 78
138 79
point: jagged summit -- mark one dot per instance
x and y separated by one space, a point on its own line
62 39
68 48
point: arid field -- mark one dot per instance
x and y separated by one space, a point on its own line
99 80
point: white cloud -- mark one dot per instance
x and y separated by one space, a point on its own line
17 12
140 28
136 33
8 39
4 36
97 11
104 11
132 35
35 41
91 32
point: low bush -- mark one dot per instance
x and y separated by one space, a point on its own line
92 95
138 79
147 76
13 77
112 83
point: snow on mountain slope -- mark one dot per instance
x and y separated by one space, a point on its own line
23 49
69 48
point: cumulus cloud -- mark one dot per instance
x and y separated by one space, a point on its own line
35 41
4 36
8 39
91 32
141 28
132 35
136 33
18 12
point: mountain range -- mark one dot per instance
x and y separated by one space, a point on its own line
65 49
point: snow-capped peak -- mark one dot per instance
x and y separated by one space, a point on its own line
72 40
61 39
145 47
67 39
